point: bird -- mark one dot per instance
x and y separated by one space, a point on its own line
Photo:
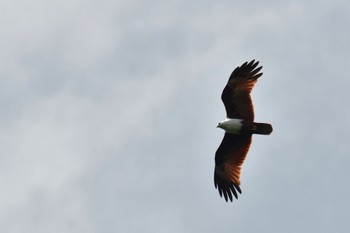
239 127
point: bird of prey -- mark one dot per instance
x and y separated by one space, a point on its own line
239 127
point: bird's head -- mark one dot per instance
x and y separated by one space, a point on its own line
219 125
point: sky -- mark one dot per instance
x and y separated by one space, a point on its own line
109 112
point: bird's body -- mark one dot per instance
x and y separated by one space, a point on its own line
239 127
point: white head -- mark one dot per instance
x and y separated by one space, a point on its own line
231 125
220 125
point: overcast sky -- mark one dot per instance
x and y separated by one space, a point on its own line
109 109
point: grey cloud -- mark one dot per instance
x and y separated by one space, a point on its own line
109 113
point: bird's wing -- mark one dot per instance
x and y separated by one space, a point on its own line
236 94
228 161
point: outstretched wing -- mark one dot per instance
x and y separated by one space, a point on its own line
236 94
228 161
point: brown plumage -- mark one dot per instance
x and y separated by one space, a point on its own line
234 147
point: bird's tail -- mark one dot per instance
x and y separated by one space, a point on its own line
262 128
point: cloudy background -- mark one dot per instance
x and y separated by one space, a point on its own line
109 108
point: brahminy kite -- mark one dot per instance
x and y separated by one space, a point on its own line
239 127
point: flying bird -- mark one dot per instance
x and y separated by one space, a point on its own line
239 127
